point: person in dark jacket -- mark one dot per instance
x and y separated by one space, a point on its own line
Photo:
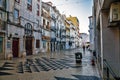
83 48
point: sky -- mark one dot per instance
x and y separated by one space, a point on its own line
82 9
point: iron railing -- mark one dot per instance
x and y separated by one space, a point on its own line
109 71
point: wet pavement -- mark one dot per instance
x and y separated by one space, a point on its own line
59 65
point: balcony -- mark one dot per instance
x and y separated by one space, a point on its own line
2 5
63 30
72 37
46 38
105 4
48 27
63 34
53 39
15 22
53 28
46 15
63 39
53 17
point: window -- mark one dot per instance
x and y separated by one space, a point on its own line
29 2
18 1
1 44
16 13
47 25
28 29
38 7
37 43
37 23
44 44
0 15
1 2
43 22
29 5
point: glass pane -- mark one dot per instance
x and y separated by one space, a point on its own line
30 1
0 2
16 13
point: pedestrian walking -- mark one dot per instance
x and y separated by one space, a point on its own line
83 48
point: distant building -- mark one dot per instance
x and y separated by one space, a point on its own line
91 33
46 26
67 24
74 31
84 38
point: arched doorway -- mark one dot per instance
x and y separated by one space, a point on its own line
29 39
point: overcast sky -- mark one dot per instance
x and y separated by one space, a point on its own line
79 8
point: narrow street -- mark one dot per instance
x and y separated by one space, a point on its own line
50 66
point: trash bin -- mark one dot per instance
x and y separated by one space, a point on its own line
78 57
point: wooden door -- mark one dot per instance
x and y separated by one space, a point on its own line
15 47
28 45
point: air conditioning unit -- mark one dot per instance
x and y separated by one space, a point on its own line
115 12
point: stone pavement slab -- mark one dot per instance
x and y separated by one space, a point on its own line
50 66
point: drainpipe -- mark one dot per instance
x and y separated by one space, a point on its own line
101 36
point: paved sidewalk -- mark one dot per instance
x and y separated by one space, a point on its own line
59 65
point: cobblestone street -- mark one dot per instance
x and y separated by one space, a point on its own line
50 66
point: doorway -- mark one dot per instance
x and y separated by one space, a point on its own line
28 45
15 47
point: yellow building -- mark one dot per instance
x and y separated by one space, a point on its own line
75 30
67 24
74 21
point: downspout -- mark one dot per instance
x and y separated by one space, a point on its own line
101 40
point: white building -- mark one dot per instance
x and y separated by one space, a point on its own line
24 35
46 26
53 15
84 38
63 32
91 33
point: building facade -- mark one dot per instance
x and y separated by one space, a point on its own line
84 39
74 31
67 24
3 23
91 33
28 27
22 28
106 18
